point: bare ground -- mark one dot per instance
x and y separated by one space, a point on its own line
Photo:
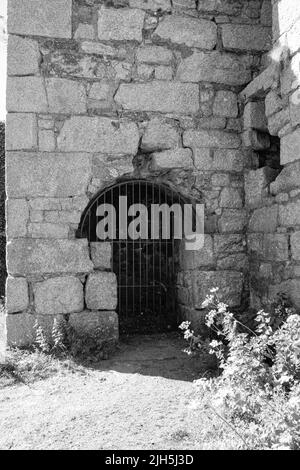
138 399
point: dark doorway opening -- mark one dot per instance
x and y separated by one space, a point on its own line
146 269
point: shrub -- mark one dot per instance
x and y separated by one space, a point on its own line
65 341
258 392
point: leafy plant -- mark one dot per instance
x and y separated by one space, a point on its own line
258 392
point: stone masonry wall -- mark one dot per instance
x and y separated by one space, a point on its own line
272 106
97 89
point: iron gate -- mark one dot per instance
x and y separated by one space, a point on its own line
145 268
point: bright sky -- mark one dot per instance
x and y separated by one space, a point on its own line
3 43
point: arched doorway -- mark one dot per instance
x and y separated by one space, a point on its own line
146 267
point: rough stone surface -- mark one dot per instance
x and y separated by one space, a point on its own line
65 96
26 94
98 134
246 37
120 24
225 104
264 220
175 158
189 31
290 145
210 138
101 254
291 288
232 220
23 56
39 18
255 116
21 131
159 135
101 325
16 294
58 295
231 198
215 67
257 185
48 230
164 97
287 179
289 214
230 285
200 258
295 245
47 175
36 256
20 329
154 55
101 291
17 218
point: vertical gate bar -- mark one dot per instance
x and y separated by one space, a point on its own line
173 264
153 258
140 252
146 255
126 258
133 248
160 241
166 255
119 245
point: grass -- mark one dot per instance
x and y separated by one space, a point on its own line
29 365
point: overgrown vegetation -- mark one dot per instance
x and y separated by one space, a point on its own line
257 393
61 351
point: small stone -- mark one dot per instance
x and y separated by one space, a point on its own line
21 131
163 73
39 18
231 198
295 245
160 135
101 254
246 37
26 94
17 298
264 220
215 67
159 96
58 295
17 218
255 116
84 31
94 134
48 230
38 256
189 31
47 175
120 24
46 141
290 145
98 325
154 55
65 96
101 291
23 56
225 104
289 214
175 158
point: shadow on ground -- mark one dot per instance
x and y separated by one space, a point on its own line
160 355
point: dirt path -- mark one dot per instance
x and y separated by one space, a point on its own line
139 399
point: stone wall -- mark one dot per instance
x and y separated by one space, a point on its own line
98 89
272 113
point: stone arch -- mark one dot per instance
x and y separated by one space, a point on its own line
145 269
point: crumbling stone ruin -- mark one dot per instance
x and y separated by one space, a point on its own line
200 95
